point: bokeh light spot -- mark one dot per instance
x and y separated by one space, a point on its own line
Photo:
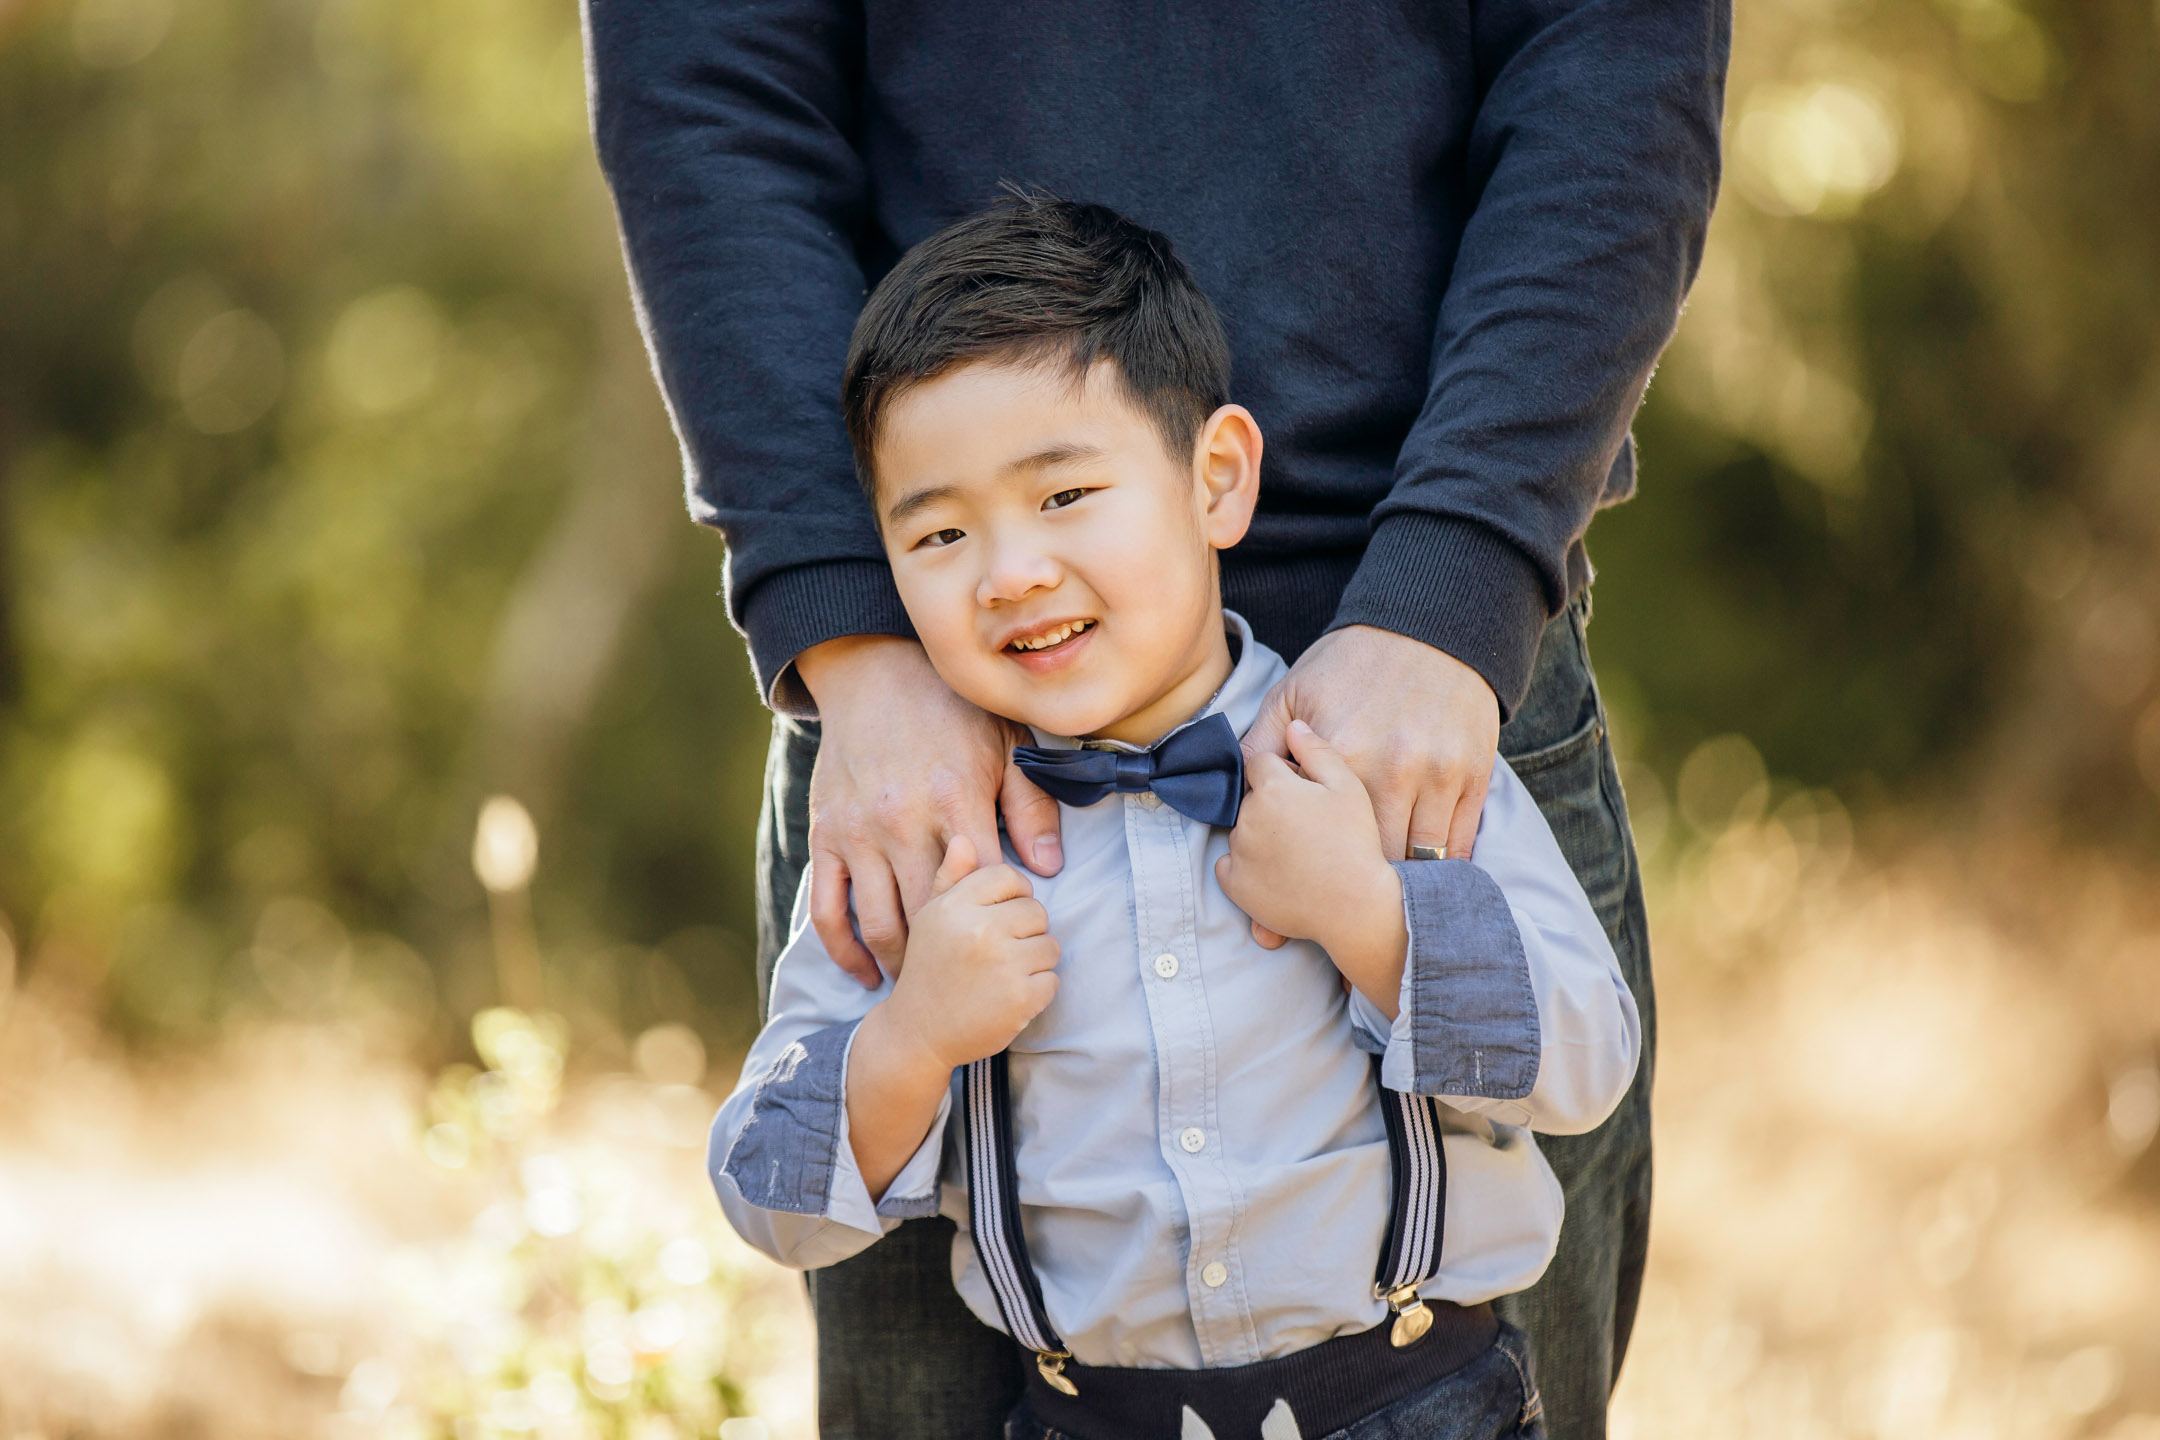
448 1146
1815 150
671 1054
111 34
1722 783
685 1262
506 845
230 372
2115 649
2086 1380
385 349
2133 1110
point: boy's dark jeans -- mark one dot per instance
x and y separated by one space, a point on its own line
900 1357
1494 1397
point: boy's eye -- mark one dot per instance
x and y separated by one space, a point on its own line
939 538
1063 498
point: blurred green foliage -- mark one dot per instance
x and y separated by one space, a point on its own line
1901 469
335 496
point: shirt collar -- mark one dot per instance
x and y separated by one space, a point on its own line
1254 673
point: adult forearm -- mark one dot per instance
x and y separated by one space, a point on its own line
849 671
1459 586
1594 159
724 133
813 608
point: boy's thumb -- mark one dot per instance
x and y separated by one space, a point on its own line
959 864
1319 760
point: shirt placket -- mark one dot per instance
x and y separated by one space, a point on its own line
1174 979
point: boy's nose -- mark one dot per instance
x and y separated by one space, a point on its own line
1015 572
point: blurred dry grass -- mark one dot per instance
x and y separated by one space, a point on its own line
1905 1169
301 1234
1906 1113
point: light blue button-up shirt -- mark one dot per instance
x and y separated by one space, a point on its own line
1202 1166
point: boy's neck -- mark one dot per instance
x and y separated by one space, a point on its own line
1210 667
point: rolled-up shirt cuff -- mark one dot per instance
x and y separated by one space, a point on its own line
793 1155
1466 1024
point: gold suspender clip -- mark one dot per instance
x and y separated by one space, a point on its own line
1412 1319
1052 1365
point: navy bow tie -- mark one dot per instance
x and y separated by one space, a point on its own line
1198 771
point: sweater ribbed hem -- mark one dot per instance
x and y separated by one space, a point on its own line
794 609
1457 586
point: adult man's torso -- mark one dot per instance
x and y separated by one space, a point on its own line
1325 231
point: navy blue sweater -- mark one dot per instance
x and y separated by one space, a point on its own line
1448 241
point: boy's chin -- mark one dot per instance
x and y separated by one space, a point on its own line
1064 716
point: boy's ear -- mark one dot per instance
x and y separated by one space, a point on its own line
1226 463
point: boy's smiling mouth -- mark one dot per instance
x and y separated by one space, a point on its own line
1048 642
1051 638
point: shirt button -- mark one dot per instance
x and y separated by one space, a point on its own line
1192 1141
1213 1274
1166 966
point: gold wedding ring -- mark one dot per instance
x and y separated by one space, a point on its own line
1428 852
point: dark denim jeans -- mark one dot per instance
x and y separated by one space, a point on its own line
899 1356
1494 1397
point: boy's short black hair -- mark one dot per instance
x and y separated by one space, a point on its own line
1037 278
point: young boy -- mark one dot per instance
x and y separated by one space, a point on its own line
1233 1114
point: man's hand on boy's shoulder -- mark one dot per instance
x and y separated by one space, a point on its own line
905 765
1416 725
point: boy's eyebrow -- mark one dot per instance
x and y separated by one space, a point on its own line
1061 454
921 499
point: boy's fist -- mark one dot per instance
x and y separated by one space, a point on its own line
980 961
1305 861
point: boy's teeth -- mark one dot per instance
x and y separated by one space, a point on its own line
1053 637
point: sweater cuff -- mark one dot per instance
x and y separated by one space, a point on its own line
1457 586
794 609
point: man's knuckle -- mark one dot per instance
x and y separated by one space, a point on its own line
949 791
889 809
1391 757
849 825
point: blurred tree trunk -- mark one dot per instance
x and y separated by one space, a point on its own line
584 585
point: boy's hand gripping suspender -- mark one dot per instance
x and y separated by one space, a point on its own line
1415 1214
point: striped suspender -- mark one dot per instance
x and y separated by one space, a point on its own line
1416 1212
994 1215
